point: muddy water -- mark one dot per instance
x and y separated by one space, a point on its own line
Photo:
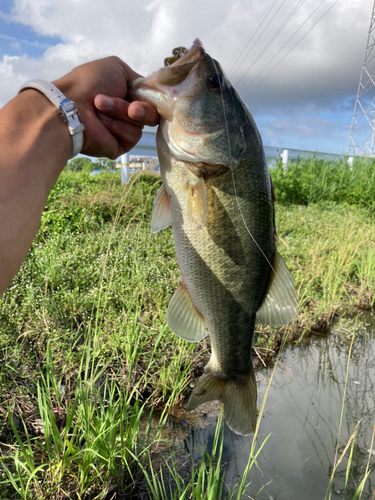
303 415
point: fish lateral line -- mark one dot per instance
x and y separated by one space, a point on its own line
234 184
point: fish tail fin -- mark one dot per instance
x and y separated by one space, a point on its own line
240 401
240 406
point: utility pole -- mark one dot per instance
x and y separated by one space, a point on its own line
362 130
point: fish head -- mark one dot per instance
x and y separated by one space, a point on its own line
198 106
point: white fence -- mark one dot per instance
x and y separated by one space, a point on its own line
147 147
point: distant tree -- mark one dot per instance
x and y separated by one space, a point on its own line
105 164
80 164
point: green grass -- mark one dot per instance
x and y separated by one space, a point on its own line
84 348
312 180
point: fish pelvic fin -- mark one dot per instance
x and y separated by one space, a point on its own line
240 400
161 214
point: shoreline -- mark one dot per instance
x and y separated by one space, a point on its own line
86 314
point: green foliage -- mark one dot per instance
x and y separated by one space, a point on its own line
87 313
80 203
80 164
207 480
86 165
314 181
90 432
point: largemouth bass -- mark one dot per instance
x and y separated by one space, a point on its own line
217 195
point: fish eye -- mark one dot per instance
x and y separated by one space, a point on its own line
215 81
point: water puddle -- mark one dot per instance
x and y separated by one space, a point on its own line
303 415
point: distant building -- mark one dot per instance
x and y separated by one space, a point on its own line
142 164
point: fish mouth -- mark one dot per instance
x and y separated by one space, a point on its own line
164 86
181 55
175 72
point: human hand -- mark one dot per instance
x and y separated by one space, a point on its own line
113 126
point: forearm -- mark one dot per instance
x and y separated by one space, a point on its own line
35 147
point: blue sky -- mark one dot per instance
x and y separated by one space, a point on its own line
312 49
17 38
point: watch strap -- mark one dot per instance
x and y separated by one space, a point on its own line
67 109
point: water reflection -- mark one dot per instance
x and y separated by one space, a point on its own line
303 414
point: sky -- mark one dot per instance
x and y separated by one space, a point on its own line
296 63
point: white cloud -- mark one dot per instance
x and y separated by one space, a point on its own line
322 70
16 45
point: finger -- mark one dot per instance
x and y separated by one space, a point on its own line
137 113
125 132
113 107
144 112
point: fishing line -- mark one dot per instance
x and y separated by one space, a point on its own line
234 184
243 218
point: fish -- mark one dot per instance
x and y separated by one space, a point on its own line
217 195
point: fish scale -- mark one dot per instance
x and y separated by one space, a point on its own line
217 196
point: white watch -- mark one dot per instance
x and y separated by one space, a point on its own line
67 109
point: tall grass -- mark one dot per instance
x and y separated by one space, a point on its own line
85 351
88 360
313 180
330 252
87 439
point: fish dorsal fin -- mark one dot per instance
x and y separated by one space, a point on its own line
161 213
197 206
280 303
183 318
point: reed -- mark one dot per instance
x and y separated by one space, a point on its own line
85 351
311 180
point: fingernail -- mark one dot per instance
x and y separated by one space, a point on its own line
104 118
139 113
104 102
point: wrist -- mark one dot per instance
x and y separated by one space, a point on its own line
65 107
41 123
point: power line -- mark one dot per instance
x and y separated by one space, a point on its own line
286 43
280 29
255 32
260 36
295 45
362 130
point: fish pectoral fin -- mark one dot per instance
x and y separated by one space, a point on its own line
280 303
197 205
183 318
161 213
240 401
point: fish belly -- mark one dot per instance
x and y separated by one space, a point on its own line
226 276
222 268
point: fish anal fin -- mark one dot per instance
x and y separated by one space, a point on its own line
280 303
240 400
183 318
161 213
197 205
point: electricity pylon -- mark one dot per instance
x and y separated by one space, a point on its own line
362 130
